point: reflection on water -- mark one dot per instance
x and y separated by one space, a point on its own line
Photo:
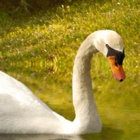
38 137
118 104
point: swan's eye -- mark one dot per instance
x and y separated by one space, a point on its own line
119 58
119 55
116 63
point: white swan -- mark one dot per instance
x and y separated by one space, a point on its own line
22 112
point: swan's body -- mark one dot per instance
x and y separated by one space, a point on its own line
22 112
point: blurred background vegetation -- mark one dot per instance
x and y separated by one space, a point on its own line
38 43
30 5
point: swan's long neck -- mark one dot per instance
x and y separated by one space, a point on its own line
87 118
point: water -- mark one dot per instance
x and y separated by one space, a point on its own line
39 137
118 104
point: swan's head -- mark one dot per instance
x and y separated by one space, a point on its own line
115 58
111 45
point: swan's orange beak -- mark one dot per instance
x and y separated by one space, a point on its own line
117 70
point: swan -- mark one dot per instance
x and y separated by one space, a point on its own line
21 112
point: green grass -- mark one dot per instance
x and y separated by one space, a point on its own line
42 47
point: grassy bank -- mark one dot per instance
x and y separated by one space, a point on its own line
50 39
42 46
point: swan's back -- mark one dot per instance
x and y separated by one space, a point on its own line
16 91
22 112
